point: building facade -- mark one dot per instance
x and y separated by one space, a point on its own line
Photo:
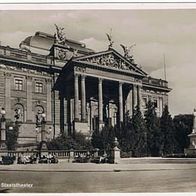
75 87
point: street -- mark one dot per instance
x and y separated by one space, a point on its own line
71 178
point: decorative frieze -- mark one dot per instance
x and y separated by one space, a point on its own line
110 60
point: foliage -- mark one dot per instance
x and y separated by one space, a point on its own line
11 135
104 139
154 137
169 144
64 142
138 134
183 124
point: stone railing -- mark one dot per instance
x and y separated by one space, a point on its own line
61 154
155 82
24 55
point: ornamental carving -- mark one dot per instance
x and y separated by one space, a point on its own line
110 61
138 80
61 54
80 69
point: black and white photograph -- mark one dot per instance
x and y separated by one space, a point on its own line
97 98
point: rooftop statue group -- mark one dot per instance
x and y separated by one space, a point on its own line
60 39
59 35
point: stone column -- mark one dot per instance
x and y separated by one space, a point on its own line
130 103
100 95
29 99
49 100
120 103
134 97
91 116
61 114
76 98
83 94
139 98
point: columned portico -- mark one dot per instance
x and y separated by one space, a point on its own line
105 87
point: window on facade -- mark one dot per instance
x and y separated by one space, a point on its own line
39 87
18 83
145 101
155 104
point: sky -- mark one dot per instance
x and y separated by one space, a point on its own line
155 32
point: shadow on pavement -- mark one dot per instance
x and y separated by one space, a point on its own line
4 190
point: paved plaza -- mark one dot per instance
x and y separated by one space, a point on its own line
137 176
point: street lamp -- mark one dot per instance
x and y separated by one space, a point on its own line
3 145
11 128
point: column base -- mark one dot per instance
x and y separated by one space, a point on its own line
76 120
84 121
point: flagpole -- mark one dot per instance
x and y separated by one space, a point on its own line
165 76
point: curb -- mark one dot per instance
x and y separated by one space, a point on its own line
95 170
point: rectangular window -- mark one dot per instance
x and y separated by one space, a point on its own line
18 83
145 101
39 87
155 104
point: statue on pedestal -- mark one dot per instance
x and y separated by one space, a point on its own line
111 42
192 147
194 121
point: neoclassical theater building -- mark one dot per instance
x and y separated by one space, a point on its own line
77 88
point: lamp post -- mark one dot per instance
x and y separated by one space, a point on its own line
3 145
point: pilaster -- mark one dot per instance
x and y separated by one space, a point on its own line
8 95
29 99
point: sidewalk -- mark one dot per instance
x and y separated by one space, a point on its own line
65 166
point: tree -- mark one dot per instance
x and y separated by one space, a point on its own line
183 125
153 130
104 139
64 142
167 132
138 132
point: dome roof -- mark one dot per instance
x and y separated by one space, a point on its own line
45 41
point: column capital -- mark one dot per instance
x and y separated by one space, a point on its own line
100 80
121 83
76 75
83 77
7 74
29 78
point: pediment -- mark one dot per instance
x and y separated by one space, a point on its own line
111 59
